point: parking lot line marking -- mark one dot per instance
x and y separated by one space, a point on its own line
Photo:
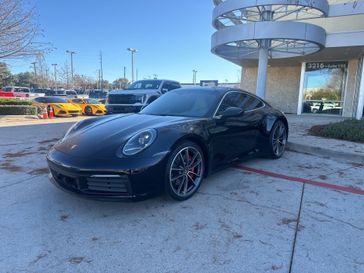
301 180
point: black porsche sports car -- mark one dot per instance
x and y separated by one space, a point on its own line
171 145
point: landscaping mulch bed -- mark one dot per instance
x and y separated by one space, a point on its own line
350 130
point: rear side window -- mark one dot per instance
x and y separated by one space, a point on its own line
170 86
241 100
252 103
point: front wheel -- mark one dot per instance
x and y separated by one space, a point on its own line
185 171
277 139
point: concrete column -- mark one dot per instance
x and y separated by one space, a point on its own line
267 15
262 72
359 110
300 92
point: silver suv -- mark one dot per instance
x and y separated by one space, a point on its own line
138 95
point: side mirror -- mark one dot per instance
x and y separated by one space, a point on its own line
164 90
232 112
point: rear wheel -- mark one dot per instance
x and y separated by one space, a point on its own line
277 139
88 111
185 171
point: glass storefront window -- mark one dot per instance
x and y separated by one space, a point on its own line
324 86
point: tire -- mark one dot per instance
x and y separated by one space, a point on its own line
185 171
277 140
88 111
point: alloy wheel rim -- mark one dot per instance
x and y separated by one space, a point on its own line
186 171
279 139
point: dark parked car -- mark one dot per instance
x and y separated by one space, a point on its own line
138 95
171 145
59 92
97 94
71 94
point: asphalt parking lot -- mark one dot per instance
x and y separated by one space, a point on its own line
300 213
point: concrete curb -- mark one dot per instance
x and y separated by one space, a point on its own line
18 117
319 151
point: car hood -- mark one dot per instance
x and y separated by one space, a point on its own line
105 136
68 106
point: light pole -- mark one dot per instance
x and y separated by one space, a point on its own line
35 73
55 75
194 76
101 72
71 54
132 51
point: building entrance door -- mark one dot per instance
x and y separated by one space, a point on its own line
324 87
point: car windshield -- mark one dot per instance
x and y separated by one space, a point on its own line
91 101
152 84
185 102
55 100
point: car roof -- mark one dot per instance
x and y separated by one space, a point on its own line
162 80
52 97
220 90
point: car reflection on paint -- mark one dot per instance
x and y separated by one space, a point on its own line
170 146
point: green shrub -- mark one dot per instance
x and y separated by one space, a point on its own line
14 102
17 110
351 130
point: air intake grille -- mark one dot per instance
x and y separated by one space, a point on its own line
124 99
114 184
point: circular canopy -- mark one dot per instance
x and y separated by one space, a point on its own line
245 26
233 12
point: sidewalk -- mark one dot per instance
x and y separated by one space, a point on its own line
300 141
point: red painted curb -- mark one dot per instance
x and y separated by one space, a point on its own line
301 180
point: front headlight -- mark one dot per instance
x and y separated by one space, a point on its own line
139 142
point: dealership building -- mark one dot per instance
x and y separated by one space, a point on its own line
302 56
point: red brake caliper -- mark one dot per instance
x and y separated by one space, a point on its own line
193 169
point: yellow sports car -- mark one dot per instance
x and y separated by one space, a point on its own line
90 106
60 106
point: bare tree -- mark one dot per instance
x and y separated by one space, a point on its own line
83 82
43 77
120 83
64 75
18 30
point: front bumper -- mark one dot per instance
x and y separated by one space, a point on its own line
99 112
99 183
64 113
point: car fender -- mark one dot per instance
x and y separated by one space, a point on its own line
269 121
